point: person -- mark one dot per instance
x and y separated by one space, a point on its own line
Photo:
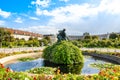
62 35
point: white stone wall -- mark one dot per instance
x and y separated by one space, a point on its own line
23 36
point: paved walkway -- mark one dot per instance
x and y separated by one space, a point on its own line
10 50
14 57
101 49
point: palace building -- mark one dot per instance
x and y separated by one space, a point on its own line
23 34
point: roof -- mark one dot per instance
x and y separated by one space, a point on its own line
20 32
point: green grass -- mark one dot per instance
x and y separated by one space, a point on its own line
43 70
102 65
26 59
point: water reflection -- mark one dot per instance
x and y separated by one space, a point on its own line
74 69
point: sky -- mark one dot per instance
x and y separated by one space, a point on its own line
50 16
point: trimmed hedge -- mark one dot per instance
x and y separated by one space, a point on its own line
63 52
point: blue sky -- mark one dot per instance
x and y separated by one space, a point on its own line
49 16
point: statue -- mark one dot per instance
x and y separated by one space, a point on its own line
62 35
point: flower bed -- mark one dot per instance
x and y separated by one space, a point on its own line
8 74
104 74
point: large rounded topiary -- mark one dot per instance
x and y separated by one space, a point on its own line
63 52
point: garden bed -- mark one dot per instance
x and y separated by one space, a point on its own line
104 74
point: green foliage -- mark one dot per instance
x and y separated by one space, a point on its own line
95 37
3 55
106 43
88 37
21 42
86 34
63 52
8 75
48 38
31 38
36 43
26 59
6 40
73 68
101 65
4 36
113 36
77 43
43 70
45 42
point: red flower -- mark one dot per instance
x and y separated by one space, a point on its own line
9 78
7 69
34 78
1 65
114 70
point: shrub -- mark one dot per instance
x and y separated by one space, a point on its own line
63 52
43 70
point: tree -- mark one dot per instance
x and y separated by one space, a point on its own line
45 42
3 35
48 39
21 42
12 39
86 34
95 37
88 37
113 36
36 38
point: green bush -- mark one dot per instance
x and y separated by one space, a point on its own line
43 70
63 52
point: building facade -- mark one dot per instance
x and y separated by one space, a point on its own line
100 36
23 34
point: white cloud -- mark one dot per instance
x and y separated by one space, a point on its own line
2 22
84 10
43 3
71 13
39 11
64 0
4 14
34 18
41 29
110 6
72 16
18 20
39 4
